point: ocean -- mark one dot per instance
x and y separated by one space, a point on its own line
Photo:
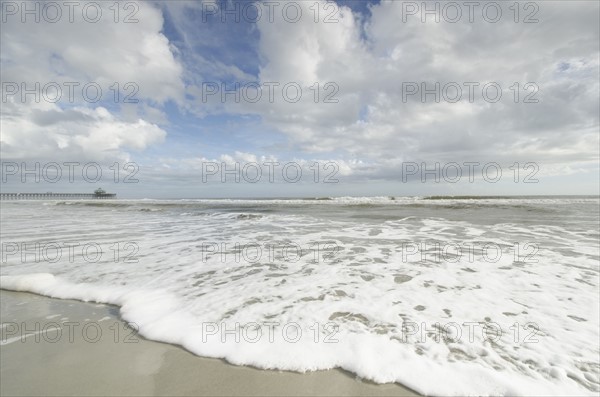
448 296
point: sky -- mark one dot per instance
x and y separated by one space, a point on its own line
215 99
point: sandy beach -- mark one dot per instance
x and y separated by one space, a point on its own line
64 347
300 198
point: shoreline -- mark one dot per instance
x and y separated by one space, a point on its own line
66 347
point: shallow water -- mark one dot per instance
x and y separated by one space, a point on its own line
447 296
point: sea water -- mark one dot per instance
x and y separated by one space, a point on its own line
448 296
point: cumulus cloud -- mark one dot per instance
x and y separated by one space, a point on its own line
49 132
373 59
130 71
354 71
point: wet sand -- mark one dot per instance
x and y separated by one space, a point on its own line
64 347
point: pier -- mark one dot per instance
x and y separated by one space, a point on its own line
98 194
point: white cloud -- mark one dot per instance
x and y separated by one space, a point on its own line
102 53
49 132
368 132
372 120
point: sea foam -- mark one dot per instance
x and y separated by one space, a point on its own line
386 310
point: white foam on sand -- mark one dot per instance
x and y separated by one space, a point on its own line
176 293
162 317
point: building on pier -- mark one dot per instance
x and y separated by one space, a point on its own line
99 194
